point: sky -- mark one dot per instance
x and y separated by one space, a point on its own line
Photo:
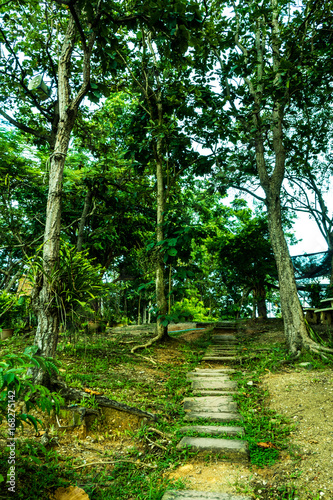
312 240
305 229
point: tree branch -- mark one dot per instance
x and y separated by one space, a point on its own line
25 128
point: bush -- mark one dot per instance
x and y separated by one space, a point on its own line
191 310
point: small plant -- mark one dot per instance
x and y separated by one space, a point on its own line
15 385
89 402
10 307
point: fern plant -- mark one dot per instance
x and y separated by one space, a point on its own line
75 282
15 386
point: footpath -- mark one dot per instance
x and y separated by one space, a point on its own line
212 402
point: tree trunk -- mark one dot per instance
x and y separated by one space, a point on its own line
149 313
45 304
139 309
292 313
260 300
161 330
170 288
145 313
45 295
87 202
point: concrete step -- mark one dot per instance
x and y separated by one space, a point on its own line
209 392
201 495
225 324
214 430
224 338
231 448
210 404
226 347
223 359
212 371
221 352
212 416
214 384
207 375
209 378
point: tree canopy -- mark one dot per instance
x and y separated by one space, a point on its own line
125 124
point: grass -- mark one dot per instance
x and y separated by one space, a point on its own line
156 383
106 365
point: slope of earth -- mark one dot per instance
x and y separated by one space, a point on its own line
133 459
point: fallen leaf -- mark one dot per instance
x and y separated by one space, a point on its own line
267 445
90 391
70 493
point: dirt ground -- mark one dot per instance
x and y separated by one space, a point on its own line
306 397
303 394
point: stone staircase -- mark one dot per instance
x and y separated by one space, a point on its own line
212 402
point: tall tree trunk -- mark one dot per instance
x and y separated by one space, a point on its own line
87 202
292 313
44 296
149 313
260 300
44 302
139 309
161 330
170 288
144 320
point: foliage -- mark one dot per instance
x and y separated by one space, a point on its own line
37 472
15 386
75 282
191 309
10 306
315 293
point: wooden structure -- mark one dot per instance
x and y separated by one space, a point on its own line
325 313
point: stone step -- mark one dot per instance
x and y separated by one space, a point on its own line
215 430
225 324
211 373
222 358
217 377
212 416
214 384
201 495
224 337
230 448
221 352
210 400
227 347
210 404
209 392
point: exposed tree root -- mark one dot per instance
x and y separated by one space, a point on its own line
138 464
148 344
312 346
70 393
147 359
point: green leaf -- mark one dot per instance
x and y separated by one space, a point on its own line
172 252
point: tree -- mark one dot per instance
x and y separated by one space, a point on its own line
265 57
247 260
59 41
156 66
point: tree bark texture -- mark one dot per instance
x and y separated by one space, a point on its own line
45 295
161 330
259 293
87 202
295 329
